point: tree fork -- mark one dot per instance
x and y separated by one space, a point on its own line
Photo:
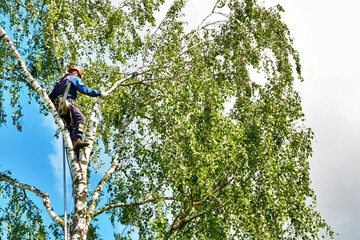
40 91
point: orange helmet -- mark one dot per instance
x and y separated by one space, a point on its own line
77 69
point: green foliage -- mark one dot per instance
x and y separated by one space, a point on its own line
231 152
58 233
20 217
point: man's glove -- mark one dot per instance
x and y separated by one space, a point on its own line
103 95
134 74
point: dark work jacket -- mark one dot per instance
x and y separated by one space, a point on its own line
76 86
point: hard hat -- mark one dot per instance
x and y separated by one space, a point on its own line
77 69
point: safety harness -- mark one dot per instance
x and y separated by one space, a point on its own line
63 103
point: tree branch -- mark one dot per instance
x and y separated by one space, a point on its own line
225 183
142 71
55 40
16 80
37 13
180 216
175 220
37 192
199 43
127 175
39 90
200 27
201 214
182 223
121 81
110 171
118 205
151 36
156 188
235 233
84 29
102 183
223 14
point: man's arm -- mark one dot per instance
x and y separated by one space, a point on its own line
81 87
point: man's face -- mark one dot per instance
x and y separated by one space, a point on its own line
75 73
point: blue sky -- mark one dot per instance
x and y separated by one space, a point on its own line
326 35
35 157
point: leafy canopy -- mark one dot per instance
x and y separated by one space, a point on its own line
231 152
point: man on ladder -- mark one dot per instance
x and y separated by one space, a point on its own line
64 96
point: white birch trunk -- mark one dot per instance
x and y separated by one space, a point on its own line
81 218
79 166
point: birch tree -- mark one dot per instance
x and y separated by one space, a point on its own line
199 148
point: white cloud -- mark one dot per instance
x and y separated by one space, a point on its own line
56 158
56 162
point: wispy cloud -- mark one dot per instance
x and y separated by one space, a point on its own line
56 162
56 157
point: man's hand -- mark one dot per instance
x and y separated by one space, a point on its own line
103 95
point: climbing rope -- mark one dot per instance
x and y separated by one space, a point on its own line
72 183
2 92
64 168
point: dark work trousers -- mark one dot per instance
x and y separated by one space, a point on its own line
72 119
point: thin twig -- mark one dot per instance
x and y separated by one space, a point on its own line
133 204
28 9
84 29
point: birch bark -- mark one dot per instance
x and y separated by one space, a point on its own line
78 165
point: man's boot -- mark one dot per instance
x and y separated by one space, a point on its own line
78 143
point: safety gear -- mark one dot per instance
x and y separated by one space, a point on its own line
76 86
80 71
80 127
78 143
63 103
103 95
63 107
